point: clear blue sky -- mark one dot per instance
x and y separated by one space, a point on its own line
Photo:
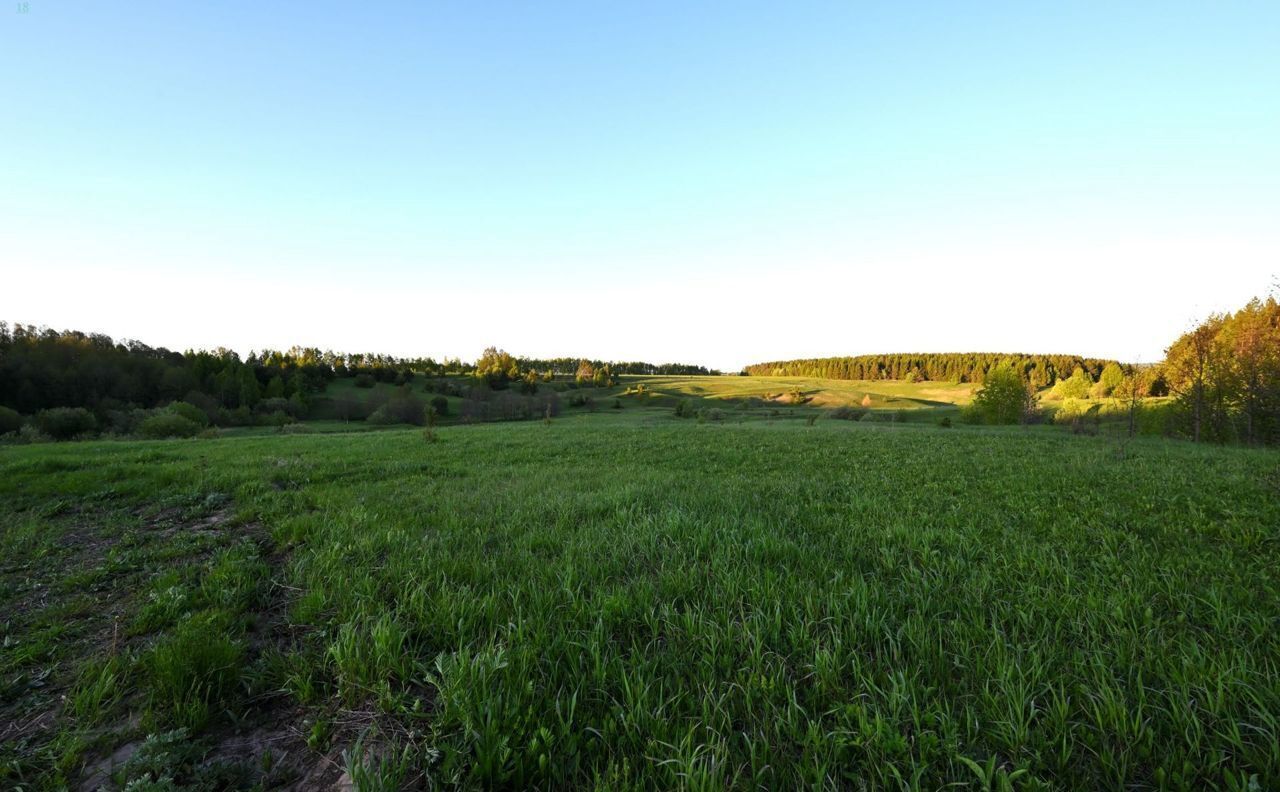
717 183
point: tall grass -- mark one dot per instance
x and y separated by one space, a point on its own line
645 603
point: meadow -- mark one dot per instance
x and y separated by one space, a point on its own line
626 600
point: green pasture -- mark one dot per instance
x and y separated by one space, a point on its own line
621 599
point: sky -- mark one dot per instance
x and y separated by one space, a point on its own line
716 183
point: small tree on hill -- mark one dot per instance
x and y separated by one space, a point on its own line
1077 386
1005 397
497 368
1112 377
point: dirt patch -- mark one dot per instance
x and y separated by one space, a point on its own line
69 604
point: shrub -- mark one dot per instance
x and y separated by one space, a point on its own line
1156 419
1112 377
846 413
190 412
168 424
364 381
1004 398
10 421
403 408
1077 386
64 423
293 407
209 405
28 433
440 404
1077 413
685 408
481 404
1070 410
945 423
119 421
298 406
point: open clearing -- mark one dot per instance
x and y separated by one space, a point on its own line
629 600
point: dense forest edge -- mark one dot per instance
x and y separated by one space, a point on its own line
1040 371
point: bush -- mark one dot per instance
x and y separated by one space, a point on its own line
1077 386
190 412
10 421
168 424
403 408
440 404
685 408
482 404
364 381
278 419
1079 414
120 421
1071 410
1156 419
945 423
1112 377
846 413
1004 399
30 434
295 409
64 423
212 407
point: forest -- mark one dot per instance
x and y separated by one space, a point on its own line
42 368
1040 371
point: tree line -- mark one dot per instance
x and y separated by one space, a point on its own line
564 366
1040 370
43 369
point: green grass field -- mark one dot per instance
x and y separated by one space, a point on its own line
622 599
885 394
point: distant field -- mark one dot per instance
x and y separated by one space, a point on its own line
724 391
627 600
746 397
885 394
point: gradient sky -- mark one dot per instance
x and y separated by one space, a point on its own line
713 183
